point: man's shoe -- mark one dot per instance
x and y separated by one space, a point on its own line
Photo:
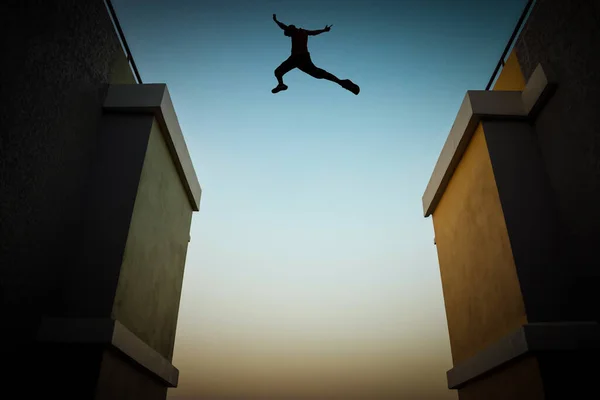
279 88
351 86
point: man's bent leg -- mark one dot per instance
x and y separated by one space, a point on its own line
280 71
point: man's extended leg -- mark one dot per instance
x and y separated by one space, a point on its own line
280 71
316 72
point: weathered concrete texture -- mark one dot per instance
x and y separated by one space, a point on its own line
85 372
119 379
58 57
151 276
564 37
481 290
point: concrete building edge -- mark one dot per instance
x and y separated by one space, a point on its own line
109 332
484 105
155 99
530 338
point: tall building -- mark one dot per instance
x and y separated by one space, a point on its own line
514 201
97 192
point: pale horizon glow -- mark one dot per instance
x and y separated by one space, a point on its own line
311 273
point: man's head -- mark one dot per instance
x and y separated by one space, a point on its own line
291 29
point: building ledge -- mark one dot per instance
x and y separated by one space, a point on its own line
529 338
481 105
155 99
106 331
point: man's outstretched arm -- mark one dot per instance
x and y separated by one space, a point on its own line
319 31
281 25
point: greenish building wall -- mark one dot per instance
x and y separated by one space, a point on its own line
151 276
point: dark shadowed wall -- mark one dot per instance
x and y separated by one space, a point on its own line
563 36
58 58
61 56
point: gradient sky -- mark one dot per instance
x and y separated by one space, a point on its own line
312 273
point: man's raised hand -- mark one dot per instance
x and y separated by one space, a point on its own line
274 17
327 28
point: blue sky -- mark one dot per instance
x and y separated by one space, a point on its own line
311 271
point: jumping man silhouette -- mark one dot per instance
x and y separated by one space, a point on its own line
300 58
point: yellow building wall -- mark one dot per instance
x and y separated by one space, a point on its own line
511 77
482 294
